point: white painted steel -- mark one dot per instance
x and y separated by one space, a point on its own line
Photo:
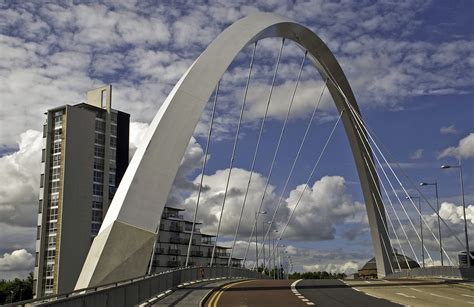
143 191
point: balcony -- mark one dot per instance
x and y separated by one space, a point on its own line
173 263
174 252
175 240
197 253
176 228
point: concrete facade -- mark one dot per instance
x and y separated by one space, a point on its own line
81 171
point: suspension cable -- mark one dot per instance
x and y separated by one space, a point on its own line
290 174
406 193
202 174
235 144
306 184
282 131
256 148
364 139
414 186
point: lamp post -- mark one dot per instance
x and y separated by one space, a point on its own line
439 220
468 252
421 228
274 258
256 237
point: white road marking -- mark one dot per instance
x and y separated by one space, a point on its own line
417 290
367 281
305 300
467 295
309 303
405 295
437 295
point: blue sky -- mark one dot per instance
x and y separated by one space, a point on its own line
410 64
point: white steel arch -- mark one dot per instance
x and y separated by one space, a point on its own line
125 241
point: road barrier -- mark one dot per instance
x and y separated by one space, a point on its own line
436 271
133 291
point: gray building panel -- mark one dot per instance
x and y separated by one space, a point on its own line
77 196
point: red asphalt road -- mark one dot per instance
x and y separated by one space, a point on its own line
259 293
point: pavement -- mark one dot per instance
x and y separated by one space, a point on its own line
427 292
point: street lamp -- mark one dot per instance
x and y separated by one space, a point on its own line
439 220
468 252
274 258
421 227
256 237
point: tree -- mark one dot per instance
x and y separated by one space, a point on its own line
16 290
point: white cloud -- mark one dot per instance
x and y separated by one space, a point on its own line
418 154
212 196
465 149
20 172
454 214
18 260
448 130
327 205
137 133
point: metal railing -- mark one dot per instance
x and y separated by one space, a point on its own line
133 291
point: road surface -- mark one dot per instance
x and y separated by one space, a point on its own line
429 292
284 293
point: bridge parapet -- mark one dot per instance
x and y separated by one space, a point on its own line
436 271
134 291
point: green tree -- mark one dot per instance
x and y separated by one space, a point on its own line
16 290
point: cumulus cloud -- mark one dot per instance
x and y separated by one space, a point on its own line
448 130
465 149
454 214
17 260
19 263
20 171
326 205
212 197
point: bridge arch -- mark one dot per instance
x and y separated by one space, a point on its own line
123 246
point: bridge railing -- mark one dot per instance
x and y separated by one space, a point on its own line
133 291
435 271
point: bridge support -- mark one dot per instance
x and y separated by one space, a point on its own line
128 231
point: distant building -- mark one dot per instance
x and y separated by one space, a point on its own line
84 156
171 246
369 270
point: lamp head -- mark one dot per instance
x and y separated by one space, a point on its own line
445 166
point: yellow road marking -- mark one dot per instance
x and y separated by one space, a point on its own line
217 295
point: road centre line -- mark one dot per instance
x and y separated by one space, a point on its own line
467 295
217 295
405 295
437 295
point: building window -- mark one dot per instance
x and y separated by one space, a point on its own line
42 181
54 187
51 227
113 142
43 155
98 176
97 189
96 204
99 151
54 201
38 232
113 130
58 134
113 117
40 206
112 180
99 126
55 173
95 228
56 161
53 214
56 148
113 154
98 163
36 258
45 130
96 216
52 242
100 138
